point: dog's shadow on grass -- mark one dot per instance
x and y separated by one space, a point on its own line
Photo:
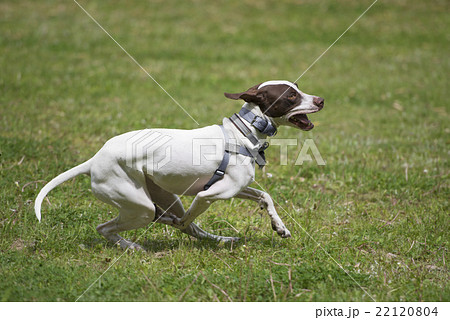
188 242
159 246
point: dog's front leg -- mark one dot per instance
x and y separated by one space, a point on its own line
221 190
200 204
265 202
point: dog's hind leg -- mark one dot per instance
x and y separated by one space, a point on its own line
128 219
169 207
192 229
130 196
199 233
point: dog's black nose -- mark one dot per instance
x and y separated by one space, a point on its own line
318 101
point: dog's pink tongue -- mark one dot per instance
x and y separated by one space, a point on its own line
310 126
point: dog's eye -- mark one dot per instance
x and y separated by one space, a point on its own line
292 95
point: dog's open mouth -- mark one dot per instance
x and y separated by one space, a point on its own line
301 121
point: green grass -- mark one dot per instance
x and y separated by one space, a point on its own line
379 207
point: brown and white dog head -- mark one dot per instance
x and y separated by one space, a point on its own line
283 102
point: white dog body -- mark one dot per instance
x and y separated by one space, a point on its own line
142 172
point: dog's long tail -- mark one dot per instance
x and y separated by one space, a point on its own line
69 174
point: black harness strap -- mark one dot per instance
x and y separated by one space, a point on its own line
259 155
260 124
236 120
220 172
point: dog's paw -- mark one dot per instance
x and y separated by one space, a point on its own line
282 231
286 233
127 244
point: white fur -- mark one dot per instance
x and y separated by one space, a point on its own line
306 106
278 82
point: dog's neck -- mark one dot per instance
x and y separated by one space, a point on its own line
254 108
231 128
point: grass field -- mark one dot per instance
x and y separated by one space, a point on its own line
379 207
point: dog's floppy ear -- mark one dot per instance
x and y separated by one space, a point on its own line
251 95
